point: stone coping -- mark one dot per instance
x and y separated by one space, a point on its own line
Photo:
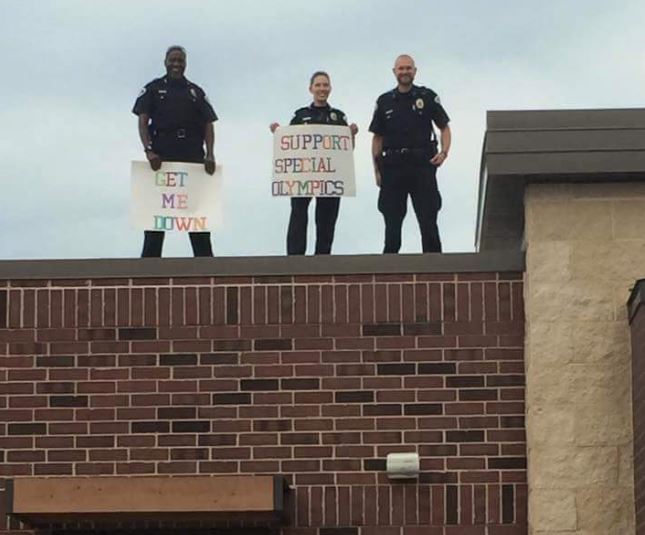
485 262
558 146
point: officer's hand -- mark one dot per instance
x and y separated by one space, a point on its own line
377 176
353 128
273 127
439 158
210 165
154 159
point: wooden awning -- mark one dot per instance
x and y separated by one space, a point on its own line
42 501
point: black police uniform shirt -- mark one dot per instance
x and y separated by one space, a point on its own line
319 115
179 111
405 119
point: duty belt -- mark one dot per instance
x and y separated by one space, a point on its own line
405 151
405 155
179 133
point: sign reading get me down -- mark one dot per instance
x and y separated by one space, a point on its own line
178 197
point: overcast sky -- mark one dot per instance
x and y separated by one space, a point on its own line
73 69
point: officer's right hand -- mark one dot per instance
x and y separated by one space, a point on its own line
274 126
210 165
154 159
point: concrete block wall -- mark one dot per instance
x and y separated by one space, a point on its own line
585 249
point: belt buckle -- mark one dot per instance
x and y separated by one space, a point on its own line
404 150
181 133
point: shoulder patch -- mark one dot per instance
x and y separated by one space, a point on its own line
142 92
437 99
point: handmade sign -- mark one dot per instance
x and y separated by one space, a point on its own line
178 197
313 161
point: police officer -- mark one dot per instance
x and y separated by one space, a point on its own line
405 154
175 122
318 112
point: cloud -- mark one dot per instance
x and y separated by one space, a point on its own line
76 66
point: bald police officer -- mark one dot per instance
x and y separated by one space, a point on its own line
406 157
175 122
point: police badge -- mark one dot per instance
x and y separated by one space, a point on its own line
419 103
333 116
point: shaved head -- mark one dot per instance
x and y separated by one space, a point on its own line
404 71
404 58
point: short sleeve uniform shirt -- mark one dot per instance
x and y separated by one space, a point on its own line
405 120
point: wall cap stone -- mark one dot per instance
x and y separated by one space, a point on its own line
487 262
556 146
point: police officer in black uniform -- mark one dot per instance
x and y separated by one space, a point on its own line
318 112
404 149
175 122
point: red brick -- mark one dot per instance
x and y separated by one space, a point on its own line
132 468
163 306
177 306
218 467
381 303
328 361
504 299
436 341
14 313
29 309
313 343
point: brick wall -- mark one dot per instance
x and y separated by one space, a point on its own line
314 377
637 321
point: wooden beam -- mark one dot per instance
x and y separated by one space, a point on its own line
69 498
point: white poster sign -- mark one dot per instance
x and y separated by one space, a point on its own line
178 197
313 161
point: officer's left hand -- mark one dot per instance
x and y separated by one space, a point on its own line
439 158
353 128
210 165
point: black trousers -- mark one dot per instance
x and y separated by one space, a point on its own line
192 152
326 216
153 243
420 183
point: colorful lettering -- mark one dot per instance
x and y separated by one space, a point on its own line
171 179
191 224
307 188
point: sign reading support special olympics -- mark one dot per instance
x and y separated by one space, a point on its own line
313 161
178 197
